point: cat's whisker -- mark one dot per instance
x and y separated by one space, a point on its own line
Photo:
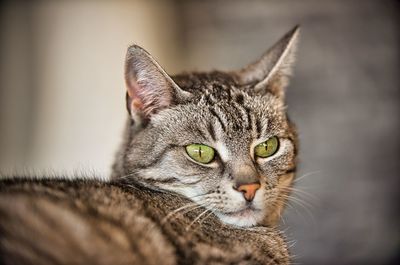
292 243
280 215
199 206
299 192
126 176
300 201
177 210
302 204
299 197
306 175
132 186
293 197
302 190
208 215
287 203
197 218
185 209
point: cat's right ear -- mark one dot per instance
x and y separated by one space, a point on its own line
149 88
270 74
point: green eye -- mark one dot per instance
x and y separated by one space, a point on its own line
267 148
200 153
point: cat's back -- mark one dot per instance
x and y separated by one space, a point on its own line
93 222
76 222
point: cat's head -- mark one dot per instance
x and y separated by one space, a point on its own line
222 139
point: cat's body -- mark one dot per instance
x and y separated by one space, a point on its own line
207 160
91 222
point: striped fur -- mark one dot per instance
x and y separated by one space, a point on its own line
231 112
50 221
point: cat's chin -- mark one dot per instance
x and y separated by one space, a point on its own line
243 218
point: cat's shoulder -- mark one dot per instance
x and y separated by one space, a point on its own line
77 221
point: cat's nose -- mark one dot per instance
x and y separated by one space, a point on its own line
248 190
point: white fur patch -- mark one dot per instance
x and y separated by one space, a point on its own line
222 151
246 218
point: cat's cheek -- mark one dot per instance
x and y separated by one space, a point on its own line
193 193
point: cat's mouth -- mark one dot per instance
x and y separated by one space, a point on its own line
249 210
245 217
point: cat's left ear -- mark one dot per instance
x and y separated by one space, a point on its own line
272 71
149 88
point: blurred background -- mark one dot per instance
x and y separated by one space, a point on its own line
62 99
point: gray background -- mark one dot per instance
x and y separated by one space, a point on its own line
344 97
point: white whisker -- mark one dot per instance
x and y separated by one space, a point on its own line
208 215
197 218
307 175
179 209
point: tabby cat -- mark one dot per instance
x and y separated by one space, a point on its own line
202 176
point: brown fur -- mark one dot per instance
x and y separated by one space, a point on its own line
92 222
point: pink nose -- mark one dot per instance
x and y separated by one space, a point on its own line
249 190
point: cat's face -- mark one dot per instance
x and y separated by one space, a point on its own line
216 138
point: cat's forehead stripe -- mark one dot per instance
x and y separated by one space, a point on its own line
211 131
219 117
233 117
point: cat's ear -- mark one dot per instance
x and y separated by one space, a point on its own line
272 71
149 87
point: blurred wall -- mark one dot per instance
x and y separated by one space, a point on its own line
62 87
62 98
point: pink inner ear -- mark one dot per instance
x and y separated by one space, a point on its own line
136 102
149 87
147 96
